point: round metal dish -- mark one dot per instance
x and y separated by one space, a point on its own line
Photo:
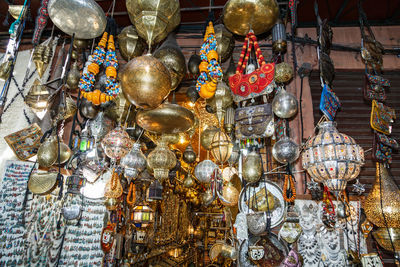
85 18
167 118
278 213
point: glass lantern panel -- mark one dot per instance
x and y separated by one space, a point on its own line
329 152
327 138
341 152
342 168
331 168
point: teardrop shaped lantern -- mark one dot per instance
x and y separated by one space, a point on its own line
332 158
204 170
221 147
73 77
170 54
252 167
116 143
161 160
134 162
130 44
221 100
189 156
384 186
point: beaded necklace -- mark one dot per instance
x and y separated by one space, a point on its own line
92 68
210 69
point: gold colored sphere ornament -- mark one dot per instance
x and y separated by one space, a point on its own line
79 44
130 44
111 203
48 152
73 77
161 160
207 136
170 54
241 16
145 81
381 235
283 72
332 158
252 167
230 194
189 181
225 42
154 19
166 119
189 156
221 147
207 197
385 186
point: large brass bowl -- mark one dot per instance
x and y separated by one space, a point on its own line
240 16
154 19
381 235
145 82
84 18
167 118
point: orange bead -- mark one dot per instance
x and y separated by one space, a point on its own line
103 40
111 42
103 98
203 66
111 72
94 68
212 55
205 93
96 97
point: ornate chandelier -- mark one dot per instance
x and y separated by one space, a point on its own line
332 158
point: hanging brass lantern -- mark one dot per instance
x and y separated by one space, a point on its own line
279 42
284 104
73 77
285 150
229 119
121 110
161 160
252 168
225 42
193 64
189 181
241 16
145 82
283 72
206 137
221 100
204 170
130 44
143 216
88 109
47 152
230 195
384 186
116 143
154 19
332 158
189 156
38 59
134 162
38 99
233 159
221 147
170 54
385 236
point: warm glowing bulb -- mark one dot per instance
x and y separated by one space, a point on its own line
190 104
182 139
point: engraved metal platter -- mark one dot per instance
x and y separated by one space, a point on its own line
278 213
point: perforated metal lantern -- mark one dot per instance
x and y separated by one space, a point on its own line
279 42
221 147
161 160
285 150
204 170
116 143
332 158
134 162
143 216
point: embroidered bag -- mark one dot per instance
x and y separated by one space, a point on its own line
374 87
383 147
254 122
246 86
329 103
382 117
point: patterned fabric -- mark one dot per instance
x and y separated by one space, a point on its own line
12 193
374 87
41 22
382 117
383 148
329 103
